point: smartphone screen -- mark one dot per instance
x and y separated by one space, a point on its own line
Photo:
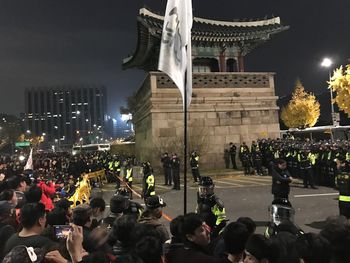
61 231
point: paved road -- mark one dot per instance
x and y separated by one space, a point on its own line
251 196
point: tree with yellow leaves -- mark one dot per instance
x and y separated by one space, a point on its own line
303 110
340 83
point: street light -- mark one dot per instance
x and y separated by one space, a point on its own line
327 63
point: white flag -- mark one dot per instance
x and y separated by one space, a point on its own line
29 164
176 36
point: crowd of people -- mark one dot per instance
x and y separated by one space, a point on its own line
315 162
40 223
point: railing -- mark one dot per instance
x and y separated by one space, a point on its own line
221 80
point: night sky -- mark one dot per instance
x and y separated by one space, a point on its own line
64 42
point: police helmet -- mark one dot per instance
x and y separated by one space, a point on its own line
206 181
205 187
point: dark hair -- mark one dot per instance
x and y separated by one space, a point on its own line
97 256
98 202
118 204
15 181
175 229
235 236
81 216
176 225
191 222
57 216
283 248
258 246
147 244
280 161
313 248
33 195
337 232
122 228
7 195
30 214
249 223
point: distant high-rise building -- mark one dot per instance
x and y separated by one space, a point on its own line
120 128
66 114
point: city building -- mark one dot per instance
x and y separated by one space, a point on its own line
120 128
228 104
66 114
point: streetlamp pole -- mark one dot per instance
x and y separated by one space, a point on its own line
327 63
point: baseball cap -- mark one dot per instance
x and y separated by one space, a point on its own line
155 201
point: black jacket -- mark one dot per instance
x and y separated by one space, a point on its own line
280 182
189 254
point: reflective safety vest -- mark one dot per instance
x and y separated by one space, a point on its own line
117 166
329 155
312 158
111 166
128 176
150 187
343 181
347 156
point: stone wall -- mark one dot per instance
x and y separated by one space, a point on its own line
226 107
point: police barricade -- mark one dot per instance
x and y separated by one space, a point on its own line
82 193
98 175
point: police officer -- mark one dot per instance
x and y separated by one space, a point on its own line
244 155
148 188
167 169
305 160
175 170
110 171
232 151
194 162
257 161
210 207
280 180
117 170
343 181
128 176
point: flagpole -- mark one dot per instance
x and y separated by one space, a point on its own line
187 87
185 147
175 61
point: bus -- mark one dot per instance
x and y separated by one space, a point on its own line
98 147
320 133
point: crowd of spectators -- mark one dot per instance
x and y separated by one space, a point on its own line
37 224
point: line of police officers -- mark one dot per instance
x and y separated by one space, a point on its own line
312 161
324 163
209 206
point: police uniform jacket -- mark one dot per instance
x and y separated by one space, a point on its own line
280 182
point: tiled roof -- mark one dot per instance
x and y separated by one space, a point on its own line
244 34
218 31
